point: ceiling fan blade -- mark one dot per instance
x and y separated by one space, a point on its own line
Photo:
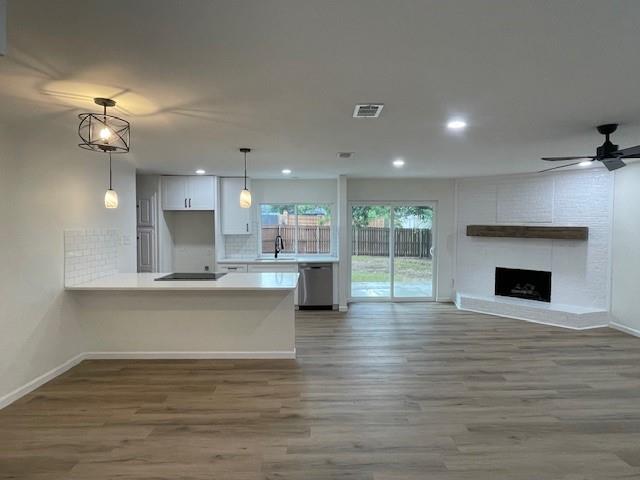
559 166
613 163
628 152
562 159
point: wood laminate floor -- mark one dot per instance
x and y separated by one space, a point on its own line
404 391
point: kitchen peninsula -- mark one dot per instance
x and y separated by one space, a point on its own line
240 315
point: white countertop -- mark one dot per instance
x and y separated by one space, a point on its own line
230 282
298 259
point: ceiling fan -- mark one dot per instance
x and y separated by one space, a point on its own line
608 153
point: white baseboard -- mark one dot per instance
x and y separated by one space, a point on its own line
625 329
290 354
29 387
444 300
343 308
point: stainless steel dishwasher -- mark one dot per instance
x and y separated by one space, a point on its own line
315 288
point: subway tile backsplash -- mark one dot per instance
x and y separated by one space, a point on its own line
241 246
89 254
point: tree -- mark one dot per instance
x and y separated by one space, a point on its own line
364 215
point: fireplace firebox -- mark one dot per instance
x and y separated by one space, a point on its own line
528 284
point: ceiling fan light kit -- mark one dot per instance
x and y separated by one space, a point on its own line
609 154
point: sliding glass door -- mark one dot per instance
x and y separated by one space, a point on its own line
370 258
392 251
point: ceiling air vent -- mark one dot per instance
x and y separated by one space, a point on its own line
367 110
345 155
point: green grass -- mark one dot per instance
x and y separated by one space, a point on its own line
376 269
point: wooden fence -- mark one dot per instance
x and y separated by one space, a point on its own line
372 241
409 242
311 239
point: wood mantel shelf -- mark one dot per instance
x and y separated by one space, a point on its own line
521 231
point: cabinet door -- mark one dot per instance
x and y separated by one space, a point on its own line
201 193
235 220
145 212
145 250
174 193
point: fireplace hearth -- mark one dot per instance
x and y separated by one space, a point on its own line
527 284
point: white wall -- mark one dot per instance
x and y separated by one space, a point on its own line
625 305
192 240
48 184
580 269
294 191
440 191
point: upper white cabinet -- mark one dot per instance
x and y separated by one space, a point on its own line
234 220
174 193
186 192
201 191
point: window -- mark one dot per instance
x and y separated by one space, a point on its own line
304 228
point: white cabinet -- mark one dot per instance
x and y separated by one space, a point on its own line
234 220
186 192
145 249
233 267
272 267
174 193
201 190
145 212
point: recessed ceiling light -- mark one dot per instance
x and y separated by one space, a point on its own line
456 124
286 171
200 171
398 163
586 163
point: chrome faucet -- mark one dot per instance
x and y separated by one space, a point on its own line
279 244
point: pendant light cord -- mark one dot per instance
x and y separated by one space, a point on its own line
110 173
245 170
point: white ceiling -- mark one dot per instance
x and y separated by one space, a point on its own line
200 78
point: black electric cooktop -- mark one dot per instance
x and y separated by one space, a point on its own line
191 276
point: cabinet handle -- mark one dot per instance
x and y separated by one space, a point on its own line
185 203
247 227
189 203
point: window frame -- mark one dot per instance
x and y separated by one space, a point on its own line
296 253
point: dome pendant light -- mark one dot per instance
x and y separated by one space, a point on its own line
245 194
111 197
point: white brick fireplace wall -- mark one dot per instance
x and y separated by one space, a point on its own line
580 269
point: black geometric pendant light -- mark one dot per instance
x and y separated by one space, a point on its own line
101 132
105 133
